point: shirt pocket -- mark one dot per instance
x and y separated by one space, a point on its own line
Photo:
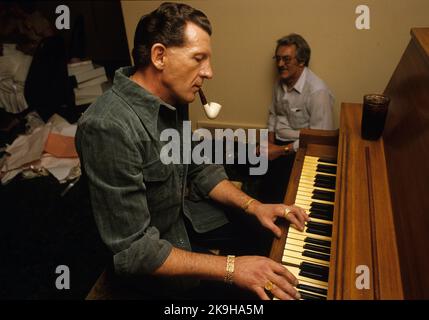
298 118
161 189
156 171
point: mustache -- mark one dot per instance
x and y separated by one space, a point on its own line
281 69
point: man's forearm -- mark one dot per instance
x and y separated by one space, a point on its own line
228 194
185 263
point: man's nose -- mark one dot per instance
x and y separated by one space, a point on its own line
280 63
207 71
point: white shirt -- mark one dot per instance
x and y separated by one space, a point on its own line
308 105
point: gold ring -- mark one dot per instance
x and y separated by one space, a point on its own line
269 286
287 211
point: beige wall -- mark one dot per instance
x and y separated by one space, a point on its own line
352 62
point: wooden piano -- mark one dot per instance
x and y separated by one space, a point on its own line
369 234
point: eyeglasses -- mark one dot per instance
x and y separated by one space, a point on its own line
285 59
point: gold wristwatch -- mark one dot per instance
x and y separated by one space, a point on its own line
286 149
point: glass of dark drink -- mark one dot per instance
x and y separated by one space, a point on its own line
374 113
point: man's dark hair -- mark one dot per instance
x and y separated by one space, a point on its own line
303 51
165 25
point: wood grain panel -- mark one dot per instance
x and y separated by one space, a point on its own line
406 140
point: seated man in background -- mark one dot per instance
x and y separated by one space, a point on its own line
138 200
300 100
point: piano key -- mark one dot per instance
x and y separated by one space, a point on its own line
309 162
315 255
314 289
319 242
312 173
300 249
304 240
317 175
309 200
312 186
308 193
316 248
313 275
302 279
326 169
303 234
318 232
318 161
320 183
323 212
309 206
315 267
326 185
323 183
324 180
330 161
328 195
319 225
323 220
324 206
323 196
320 217
310 296
326 160
297 258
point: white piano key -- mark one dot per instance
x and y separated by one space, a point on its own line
302 235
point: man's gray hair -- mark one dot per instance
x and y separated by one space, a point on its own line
303 51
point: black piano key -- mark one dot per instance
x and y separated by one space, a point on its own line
312 289
322 274
325 243
326 169
333 161
328 194
309 296
320 216
327 181
323 196
319 232
322 184
317 210
318 225
325 177
323 206
315 255
315 248
314 267
313 275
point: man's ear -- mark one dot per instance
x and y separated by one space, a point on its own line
157 55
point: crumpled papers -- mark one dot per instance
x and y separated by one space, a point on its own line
48 147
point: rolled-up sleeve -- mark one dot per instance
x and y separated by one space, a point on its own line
112 162
203 178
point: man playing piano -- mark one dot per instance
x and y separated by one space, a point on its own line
138 201
300 100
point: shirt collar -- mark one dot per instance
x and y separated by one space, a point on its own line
144 104
299 85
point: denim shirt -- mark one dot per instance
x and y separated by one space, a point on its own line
137 201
